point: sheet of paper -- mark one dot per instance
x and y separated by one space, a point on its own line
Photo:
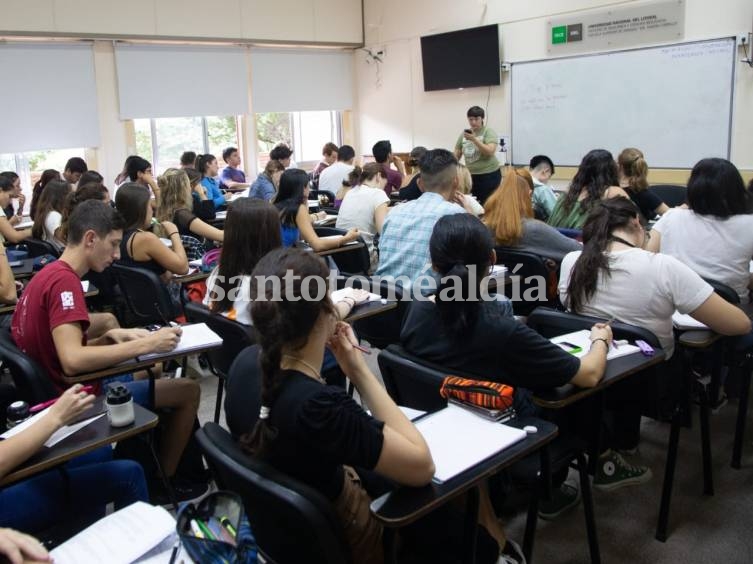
313 204
328 219
24 224
167 242
411 413
582 339
58 435
85 285
337 236
338 295
447 433
196 263
121 537
194 336
221 215
684 321
191 270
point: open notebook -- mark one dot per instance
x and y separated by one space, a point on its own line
447 432
582 340
194 337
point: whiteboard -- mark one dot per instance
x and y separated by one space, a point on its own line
672 102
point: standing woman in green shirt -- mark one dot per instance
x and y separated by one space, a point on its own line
478 145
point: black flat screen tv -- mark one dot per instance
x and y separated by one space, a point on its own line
461 59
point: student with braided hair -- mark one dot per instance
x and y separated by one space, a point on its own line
317 433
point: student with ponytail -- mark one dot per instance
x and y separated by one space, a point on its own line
614 277
597 178
208 168
317 433
460 330
633 179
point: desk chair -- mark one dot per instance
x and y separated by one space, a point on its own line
235 337
355 262
413 382
530 265
380 330
243 397
38 248
291 521
146 297
30 379
671 194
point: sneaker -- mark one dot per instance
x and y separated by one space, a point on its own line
511 554
615 472
565 497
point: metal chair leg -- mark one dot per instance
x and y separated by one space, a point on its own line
669 476
742 414
588 510
218 403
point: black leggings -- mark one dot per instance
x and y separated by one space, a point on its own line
485 184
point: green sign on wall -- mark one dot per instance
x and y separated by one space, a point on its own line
559 34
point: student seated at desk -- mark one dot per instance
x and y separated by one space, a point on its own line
409 189
614 277
50 214
51 325
47 176
8 233
509 217
597 178
140 172
317 433
714 237
366 205
202 206
176 206
80 492
483 338
14 216
634 180
541 169
296 221
89 191
140 246
207 166
8 287
265 185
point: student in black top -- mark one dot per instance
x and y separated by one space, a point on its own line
317 433
479 337
633 178
177 203
14 217
409 189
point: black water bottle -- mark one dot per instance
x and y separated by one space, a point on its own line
17 412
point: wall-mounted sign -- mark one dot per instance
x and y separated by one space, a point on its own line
653 22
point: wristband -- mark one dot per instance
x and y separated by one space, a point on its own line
600 339
173 233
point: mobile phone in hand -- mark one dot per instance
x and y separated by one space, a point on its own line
468 131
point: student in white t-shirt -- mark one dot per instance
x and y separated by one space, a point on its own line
49 213
365 205
614 277
715 236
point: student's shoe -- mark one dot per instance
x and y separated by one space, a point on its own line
613 472
511 554
565 497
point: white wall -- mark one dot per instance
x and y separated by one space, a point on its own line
399 109
320 21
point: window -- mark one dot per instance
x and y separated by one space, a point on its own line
30 166
305 133
163 140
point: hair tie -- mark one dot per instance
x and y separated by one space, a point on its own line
264 412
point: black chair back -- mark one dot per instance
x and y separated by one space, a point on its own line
352 262
146 297
243 398
38 248
291 521
724 291
384 329
31 381
671 194
531 265
551 323
412 382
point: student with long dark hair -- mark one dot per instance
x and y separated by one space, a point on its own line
89 191
291 202
47 176
317 433
714 237
8 233
140 246
14 216
50 213
208 168
123 175
614 277
597 178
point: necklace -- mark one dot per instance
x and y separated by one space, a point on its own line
621 240
315 373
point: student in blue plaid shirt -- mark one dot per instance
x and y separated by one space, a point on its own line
404 242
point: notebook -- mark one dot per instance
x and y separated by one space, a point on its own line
195 336
582 340
337 237
338 295
328 219
685 322
447 433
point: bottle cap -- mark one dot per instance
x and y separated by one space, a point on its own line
530 429
18 411
118 394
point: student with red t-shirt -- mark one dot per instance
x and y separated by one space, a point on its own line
51 321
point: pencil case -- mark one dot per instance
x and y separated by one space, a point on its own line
216 530
489 395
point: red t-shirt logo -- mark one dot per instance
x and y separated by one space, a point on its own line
66 299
